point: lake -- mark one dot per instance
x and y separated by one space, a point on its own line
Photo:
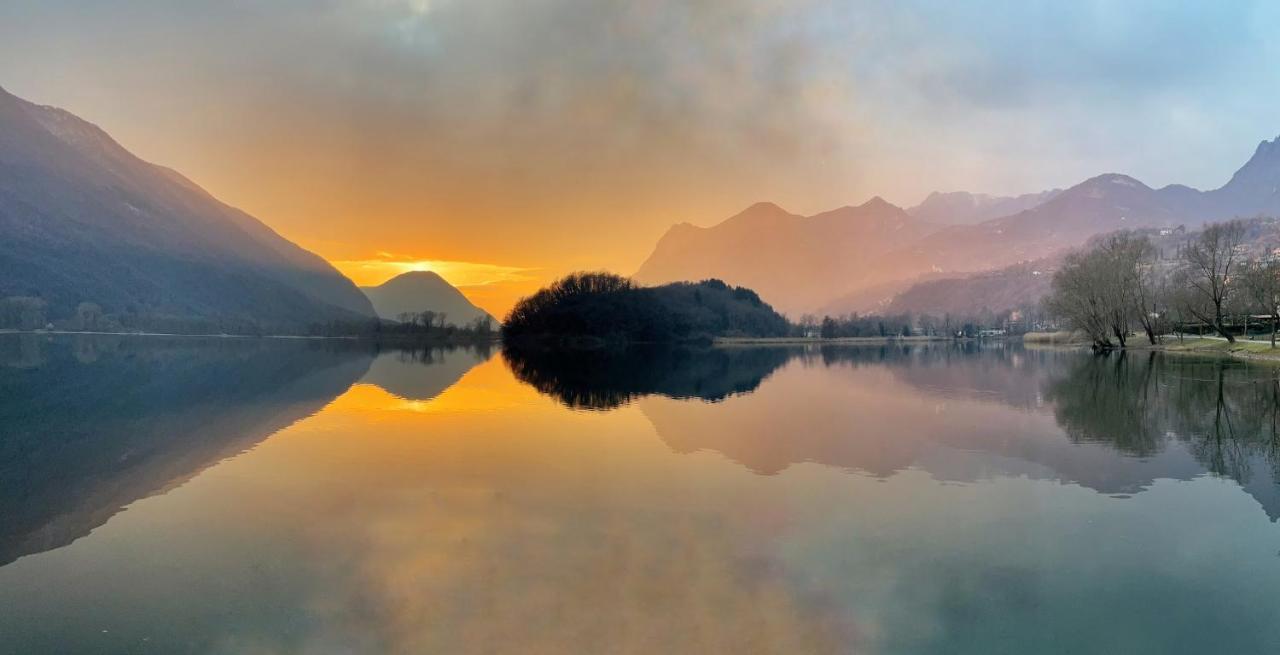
170 495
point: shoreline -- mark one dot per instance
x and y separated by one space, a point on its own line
384 338
1251 350
805 341
1242 349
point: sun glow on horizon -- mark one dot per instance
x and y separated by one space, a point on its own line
494 287
372 272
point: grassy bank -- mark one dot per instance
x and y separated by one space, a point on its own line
1254 350
1241 349
1063 338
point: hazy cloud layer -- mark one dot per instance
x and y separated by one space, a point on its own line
544 133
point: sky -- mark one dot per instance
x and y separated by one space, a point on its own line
505 142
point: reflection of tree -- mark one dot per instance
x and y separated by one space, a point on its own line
1112 400
609 377
1226 412
431 354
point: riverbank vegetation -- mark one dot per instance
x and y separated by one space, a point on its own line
1217 282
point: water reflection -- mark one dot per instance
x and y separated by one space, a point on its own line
610 377
1224 413
884 409
90 424
441 504
422 373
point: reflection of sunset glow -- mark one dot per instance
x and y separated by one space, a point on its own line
486 388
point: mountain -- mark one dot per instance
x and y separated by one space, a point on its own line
999 291
964 208
860 259
85 220
419 291
792 261
1254 189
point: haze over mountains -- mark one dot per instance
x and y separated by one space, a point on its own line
860 258
964 208
84 220
418 291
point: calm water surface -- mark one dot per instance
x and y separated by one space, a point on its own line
244 496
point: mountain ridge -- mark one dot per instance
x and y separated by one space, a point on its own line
88 221
838 264
419 291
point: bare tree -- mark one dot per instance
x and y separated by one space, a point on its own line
1102 291
1210 262
1261 284
1080 298
1148 287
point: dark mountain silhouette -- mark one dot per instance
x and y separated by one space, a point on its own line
846 265
418 291
964 208
93 423
84 220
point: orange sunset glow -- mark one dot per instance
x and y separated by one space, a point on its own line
492 287
672 327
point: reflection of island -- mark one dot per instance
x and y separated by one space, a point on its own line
608 377
424 373
91 424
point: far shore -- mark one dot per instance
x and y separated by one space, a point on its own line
397 338
817 341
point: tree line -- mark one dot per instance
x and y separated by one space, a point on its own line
1121 285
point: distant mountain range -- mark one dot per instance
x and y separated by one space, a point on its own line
84 220
964 208
418 291
794 262
861 258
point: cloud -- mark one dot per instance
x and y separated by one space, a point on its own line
571 133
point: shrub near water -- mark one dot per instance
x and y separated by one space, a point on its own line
607 307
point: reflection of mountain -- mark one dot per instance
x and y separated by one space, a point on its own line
965 413
607 378
425 373
91 424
